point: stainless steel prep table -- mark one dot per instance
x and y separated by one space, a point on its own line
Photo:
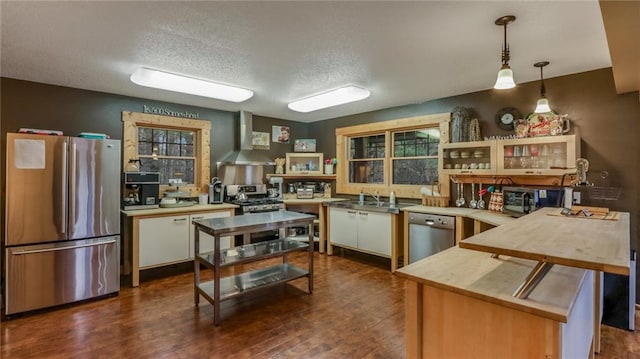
228 287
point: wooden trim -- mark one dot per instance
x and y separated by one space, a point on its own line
131 121
403 123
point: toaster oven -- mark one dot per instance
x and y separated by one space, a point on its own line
519 201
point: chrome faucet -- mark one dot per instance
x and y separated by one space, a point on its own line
376 196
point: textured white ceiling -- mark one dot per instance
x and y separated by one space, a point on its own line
404 52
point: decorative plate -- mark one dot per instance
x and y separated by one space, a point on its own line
541 124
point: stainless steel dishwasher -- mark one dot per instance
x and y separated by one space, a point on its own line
429 234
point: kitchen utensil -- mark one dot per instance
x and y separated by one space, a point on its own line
473 203
481 204
460 201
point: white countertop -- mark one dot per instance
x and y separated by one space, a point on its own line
191 209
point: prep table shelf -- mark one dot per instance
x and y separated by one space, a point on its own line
252 252
223 288
239 284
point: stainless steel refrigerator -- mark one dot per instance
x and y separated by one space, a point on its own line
62 220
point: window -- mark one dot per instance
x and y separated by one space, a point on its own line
170 152
366 159
175 147
415 156
397 155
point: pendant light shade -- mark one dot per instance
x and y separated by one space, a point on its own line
505 75
542 106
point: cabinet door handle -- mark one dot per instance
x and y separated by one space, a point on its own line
179 219
364 213
351 212
201 217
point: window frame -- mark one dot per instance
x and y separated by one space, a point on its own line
343 135
202 131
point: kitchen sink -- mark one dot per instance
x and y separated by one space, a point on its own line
374 206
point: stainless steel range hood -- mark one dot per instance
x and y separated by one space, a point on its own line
246 155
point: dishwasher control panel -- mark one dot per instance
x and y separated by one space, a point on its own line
432 220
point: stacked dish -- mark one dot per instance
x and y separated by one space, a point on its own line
454 154
478 153
465 154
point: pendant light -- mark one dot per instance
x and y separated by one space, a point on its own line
505 75
542 106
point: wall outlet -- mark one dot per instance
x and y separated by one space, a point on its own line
576 197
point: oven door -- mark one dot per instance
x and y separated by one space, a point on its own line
259 236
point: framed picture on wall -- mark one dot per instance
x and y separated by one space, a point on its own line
304 145
260 140
280 134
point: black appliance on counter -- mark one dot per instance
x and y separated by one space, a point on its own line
253 198
619 298
141 190
519 201
216 191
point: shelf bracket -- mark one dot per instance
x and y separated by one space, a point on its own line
533 279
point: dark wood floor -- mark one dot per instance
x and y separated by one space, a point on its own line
356 311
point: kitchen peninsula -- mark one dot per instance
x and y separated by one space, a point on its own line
474 290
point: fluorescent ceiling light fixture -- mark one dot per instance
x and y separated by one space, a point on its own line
329 99
172 82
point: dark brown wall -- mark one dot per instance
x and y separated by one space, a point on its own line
36 105
608 125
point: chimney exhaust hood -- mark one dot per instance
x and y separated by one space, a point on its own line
246 155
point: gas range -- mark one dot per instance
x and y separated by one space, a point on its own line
253 205
257 199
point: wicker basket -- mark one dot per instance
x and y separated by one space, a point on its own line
435 201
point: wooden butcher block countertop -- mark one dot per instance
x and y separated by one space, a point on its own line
476 274
595 244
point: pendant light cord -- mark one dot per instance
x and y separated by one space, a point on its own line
543 91
505 50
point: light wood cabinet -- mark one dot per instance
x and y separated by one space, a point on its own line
468 158
549 155
164 240
163 236
542 156
305 163
366 231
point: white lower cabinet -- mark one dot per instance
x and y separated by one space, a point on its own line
164 240
169 239
364 230
207 242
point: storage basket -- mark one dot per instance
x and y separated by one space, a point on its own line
435 201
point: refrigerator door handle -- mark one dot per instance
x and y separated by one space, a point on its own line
73 156
63 248
63 201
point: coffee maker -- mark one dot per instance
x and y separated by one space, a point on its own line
216 191
141 190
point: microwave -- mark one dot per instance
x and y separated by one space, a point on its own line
519 201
